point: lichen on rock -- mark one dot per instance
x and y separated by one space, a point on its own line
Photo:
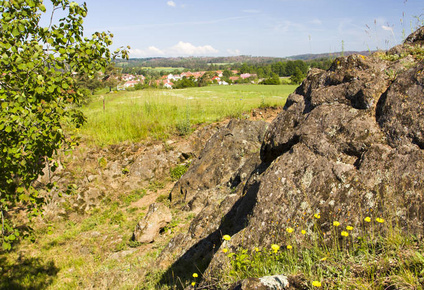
348 141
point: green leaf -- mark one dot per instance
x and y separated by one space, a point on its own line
15 32
8 129
6 246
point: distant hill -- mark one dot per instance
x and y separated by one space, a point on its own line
326 55
205 63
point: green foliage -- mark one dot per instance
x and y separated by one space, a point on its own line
297 76
185 83
38 93
178 171
273 80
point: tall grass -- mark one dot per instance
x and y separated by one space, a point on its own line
133 116
375 254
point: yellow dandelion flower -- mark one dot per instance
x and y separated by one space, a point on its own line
224 250
193 283
344 234
316 283
289 247
256 249
195 275
226 237
303 232
380 220
336 223
275 248
290 230
323 259
349 228
367 219
317 215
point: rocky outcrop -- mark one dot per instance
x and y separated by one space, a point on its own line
91 175
212 186
348 144
157 217
226 161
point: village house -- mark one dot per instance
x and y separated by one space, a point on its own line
128 77
172 77
247 75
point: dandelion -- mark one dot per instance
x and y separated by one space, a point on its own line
275 248
193 283
344 233
256 249
380 220
316 283
226 237
303 232
195 275
367 219
289 247
323 259
317 215
289 230
349 228
225 250
336 223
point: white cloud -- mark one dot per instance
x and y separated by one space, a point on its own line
186 48
387 28
150 51
180 49
233 51
171 3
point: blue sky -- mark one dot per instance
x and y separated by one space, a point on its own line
277 28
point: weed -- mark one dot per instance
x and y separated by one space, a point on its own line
117 219
378 254
135 195
134 244
178 171
163 198
102 162
155 185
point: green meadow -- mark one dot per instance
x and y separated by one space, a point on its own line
137 115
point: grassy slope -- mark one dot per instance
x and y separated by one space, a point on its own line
94 250
158 113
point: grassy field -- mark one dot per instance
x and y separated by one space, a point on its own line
133 116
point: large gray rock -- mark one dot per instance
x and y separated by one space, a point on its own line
348 143
213 184
226 161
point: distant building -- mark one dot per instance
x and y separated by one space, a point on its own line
247 75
